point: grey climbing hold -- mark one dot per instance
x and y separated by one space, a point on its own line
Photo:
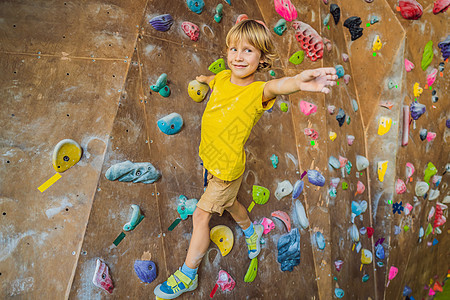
391 84
334 162
355 105
423 134
361 162
340 117
284 188
336 12
133 172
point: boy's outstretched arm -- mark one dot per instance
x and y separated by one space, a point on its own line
205 79
316 80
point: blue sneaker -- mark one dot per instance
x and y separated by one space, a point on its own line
176 285
254 242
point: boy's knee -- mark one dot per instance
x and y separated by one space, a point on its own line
200 216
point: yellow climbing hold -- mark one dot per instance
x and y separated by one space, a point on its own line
197 90
332 135
382 167
417 90
66 154
384 124
223 237
376 44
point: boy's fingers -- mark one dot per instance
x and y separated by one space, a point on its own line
325 90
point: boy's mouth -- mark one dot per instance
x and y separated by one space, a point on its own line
239 66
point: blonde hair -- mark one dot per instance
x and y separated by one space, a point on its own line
257 35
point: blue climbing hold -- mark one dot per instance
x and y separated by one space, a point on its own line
316 178
339 293
298 189
170 124
407 291
196 5
320 240
339 71
379 251
289 250
145 270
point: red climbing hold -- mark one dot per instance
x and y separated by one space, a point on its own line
309 40
370 231
410 9
440 6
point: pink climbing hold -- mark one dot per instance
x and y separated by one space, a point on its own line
307 108
338 264
360 187
312 133
343 161
440 6
286 9
283 217
392 273
439 218
102 279
431 136
400 186
408 65
191 30
268 225
309 40
432 76
408 208
328 44
410 9
241 18
225 281
409 170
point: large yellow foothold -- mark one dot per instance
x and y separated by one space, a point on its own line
366 256
66 154
376 44
382 167
197 90
384 125
332 135
223 237
417 90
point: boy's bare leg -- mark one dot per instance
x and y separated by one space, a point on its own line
239 214
200 238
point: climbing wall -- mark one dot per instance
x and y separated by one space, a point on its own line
83 71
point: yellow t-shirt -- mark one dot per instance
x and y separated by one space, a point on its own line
229 117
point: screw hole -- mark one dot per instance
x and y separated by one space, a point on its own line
7 161
66 158
4 213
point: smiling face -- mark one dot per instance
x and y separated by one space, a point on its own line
243 60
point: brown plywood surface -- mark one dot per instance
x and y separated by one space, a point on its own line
83 70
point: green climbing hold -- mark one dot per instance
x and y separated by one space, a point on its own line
344 185
427 56
272 73
252 271
280 27
429 172
406 228
297 57
348 167
365 278
219 13
348 120
429 230
284 107
217 66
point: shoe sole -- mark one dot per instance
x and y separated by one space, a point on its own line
162 295
258 242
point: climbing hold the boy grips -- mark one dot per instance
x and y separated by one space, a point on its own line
289 250
219 13
217 66
191 30
410 9
297 57
197 90
223 237
145 270
339 71
252 270
286 9
170 124
133 172
136 218
101 278
280 27
162 22
66 154
161 86
310 41
196 5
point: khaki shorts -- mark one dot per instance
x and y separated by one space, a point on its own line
219 194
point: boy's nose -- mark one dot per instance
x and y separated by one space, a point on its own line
239 55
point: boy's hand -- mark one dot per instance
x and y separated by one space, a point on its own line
202 79
317 80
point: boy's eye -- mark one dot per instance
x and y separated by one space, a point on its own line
248 50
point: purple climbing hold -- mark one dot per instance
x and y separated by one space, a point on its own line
316 178
336 12
298 188
289 250
445 47
353 24
145 270
447 123
407 291
162 22
417 110
340 117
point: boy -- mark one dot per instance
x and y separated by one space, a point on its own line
236 103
